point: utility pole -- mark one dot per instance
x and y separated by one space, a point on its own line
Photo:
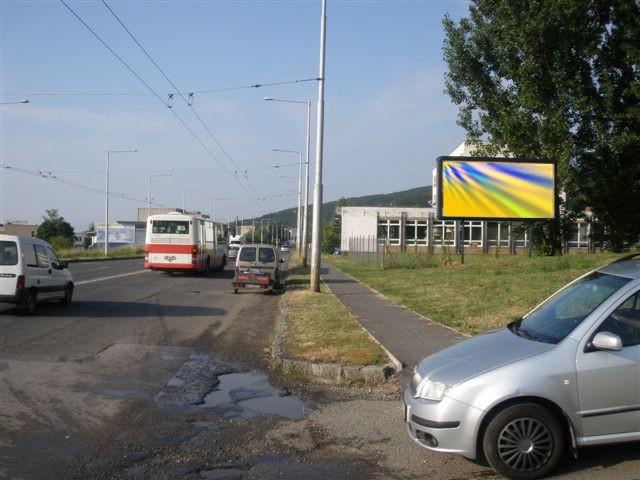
317 193
261 230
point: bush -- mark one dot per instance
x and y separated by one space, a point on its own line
60 243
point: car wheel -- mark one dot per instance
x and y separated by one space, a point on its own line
68 295
235 290
524 442
29 305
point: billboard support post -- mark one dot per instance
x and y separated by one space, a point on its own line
462 242
530 238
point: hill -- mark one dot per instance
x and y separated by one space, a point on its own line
414 197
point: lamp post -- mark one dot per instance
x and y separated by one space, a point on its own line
15 103
306 175
317 191
299 215
168 174
184 194
106 200
229 214
213 216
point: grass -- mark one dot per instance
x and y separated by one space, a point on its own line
97 254
321 329
487 292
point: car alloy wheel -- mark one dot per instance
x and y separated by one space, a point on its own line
525 444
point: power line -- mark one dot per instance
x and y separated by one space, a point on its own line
177 90
48 175
125 94
181 172
195 136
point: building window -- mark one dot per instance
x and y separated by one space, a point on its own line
444 233
415 232
389 232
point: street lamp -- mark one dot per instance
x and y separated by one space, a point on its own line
184 194
168 174
106 207
229 214
299 215
213 215
306 183
14 103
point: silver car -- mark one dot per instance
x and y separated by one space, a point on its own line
566 375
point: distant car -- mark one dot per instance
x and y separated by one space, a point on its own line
30 271
285 248
257 266
565 375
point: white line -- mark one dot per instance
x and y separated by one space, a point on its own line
84 282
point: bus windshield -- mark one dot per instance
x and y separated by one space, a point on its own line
176 227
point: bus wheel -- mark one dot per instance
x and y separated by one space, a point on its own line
235 290
207 267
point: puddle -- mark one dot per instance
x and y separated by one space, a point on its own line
251 394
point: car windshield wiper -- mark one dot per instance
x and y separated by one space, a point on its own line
526 333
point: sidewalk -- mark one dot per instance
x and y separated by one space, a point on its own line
405 334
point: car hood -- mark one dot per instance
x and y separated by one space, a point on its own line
477 355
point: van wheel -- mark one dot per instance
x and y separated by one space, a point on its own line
524 442
29 305
235 290
68 295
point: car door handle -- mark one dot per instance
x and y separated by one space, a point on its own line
50 271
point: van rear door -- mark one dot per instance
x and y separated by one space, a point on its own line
9 267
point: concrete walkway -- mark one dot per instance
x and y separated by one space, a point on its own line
405 334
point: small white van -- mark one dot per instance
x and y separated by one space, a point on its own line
30 271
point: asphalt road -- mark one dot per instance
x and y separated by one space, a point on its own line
119 385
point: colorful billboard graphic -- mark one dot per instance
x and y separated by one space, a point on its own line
117 233
496 188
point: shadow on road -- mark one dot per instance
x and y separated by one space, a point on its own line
603 456
114 309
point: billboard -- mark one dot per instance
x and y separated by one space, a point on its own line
117 233
496 188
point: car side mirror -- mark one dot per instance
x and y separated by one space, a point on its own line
607 341
64 264
281 259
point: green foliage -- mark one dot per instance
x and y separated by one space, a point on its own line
91 232
59 242
330 238
557 79
54 226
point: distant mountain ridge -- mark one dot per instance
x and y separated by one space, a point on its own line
414 197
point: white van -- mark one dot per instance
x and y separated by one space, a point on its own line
30 271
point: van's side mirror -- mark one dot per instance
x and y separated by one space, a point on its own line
607 341
64 264
281 259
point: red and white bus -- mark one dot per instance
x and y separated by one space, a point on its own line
180 242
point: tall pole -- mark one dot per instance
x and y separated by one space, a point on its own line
306 189
261 230
184 193
317 193
299 232
106 208
149 199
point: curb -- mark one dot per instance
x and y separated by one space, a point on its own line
331 373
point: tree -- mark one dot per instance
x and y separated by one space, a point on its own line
330 237
54 226
557 79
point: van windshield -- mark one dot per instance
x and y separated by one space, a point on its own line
8 253
176 227
556 318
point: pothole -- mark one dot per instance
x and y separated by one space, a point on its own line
250 394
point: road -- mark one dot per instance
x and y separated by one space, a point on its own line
129 382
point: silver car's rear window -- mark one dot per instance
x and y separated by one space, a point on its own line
248 254
8 253
556 318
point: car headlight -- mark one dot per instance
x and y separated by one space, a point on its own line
431 390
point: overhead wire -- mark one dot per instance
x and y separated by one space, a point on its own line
46 174
177 90
181 172
184 124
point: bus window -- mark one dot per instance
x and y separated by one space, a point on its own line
176 227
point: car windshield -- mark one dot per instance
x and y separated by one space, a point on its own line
8 253
556 318
248 254
267 255
179 227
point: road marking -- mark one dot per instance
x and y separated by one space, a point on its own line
84 282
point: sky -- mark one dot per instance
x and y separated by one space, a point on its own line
386 114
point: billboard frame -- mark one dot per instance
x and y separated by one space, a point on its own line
548 161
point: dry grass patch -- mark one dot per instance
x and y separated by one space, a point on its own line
321 329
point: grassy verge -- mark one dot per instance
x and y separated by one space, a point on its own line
321 329
486 292
71 254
